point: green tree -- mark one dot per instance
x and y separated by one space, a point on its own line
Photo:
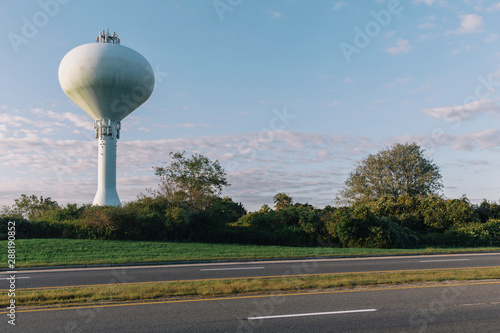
264 208
282 200
395 171
30 207
194 181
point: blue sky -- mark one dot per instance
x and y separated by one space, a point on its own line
286 94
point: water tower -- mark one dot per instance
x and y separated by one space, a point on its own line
108 81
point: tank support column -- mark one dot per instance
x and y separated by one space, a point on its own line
107 131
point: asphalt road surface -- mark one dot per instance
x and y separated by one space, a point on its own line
138 274
468 307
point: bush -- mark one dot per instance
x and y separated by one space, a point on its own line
486 210
361 228
404 211
460 211
468 234
434 212
335 219
297 225
33 229
493 229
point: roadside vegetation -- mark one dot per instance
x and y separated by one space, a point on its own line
93 295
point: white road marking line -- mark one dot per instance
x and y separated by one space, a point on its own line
20 277
444 260
311 314
277 261
228 269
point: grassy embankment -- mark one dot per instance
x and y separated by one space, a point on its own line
60 252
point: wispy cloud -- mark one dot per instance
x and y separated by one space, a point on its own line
494 7
402 46
276 14
398 82
464 112
81 121
484 139
469 23
339 5
427 2
185 125
424 86
491 38
427 25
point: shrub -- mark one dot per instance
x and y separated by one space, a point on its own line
460 211
33 229
467 234
335 219
110 222
493 229
486 210
362 228
404 211
434 212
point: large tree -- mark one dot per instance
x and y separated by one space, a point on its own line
194 180
401 169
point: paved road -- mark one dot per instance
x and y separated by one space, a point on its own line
472 307
112 275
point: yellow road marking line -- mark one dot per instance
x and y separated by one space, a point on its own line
253 296
258 277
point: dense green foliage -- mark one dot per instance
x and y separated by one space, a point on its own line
386 223
144 219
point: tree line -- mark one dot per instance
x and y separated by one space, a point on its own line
390 200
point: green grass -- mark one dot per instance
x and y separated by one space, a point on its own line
56 252
154 291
